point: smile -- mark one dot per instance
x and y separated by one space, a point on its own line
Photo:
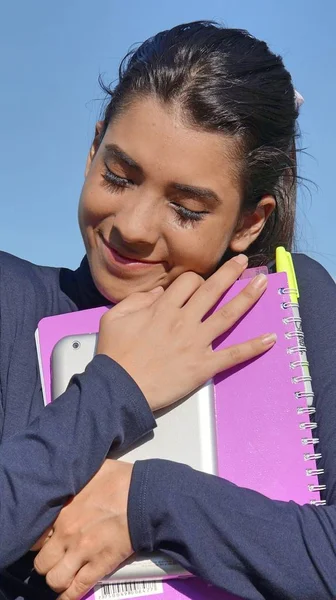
121 260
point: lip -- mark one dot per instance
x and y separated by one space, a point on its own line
120 260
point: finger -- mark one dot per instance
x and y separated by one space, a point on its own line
181 289
87 577
135 302
240 353
50 554
227 315
61 576
42 540
214 287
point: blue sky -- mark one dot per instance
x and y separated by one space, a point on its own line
51 55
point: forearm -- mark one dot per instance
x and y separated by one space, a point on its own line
62 449
235 538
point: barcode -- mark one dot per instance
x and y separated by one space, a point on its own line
131 589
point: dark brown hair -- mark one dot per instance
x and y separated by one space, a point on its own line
226 80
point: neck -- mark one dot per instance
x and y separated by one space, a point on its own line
80 288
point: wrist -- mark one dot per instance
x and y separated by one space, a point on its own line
119 475
135 402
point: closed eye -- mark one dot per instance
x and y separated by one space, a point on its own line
115 182
184 215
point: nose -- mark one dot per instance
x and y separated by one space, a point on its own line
138 222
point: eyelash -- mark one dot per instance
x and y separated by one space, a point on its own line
114 182
118 184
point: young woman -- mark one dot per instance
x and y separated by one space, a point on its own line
192 167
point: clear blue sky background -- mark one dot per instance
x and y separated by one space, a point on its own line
51 54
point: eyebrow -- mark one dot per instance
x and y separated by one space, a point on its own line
115 152
198 192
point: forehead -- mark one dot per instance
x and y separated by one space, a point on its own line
157 138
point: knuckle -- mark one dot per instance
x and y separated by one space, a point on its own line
65 527
140 300
210 286
193 279
226 312
137 296
197 279
85 581
108 557
249 293
38 565
53 582
80 586
235 353
177 326
84 544
68 531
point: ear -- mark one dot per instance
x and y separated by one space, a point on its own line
251 225
94 146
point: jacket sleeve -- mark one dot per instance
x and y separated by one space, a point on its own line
62 448
236 538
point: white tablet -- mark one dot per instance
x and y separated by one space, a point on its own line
185 433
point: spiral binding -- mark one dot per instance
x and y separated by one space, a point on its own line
312 455
306 410
307 394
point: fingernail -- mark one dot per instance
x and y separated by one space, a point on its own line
269 339
241 259
259 281
157 290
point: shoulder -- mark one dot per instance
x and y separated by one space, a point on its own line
310 271
20 274
26 288
317 291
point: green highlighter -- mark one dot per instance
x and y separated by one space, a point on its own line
284 263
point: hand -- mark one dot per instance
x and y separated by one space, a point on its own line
90 536
166 347
131 304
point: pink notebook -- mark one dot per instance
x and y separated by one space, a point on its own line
263 408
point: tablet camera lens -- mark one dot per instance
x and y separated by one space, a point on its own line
76 345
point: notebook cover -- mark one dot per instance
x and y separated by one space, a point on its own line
259 440
262 448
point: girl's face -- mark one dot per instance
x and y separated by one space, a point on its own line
160 198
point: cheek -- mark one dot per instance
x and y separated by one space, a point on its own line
95 205
200 249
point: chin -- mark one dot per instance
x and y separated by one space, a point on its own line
108 286
116 290
111 294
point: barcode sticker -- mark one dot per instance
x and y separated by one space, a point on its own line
131 589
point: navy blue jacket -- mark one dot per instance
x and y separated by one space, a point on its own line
235 538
